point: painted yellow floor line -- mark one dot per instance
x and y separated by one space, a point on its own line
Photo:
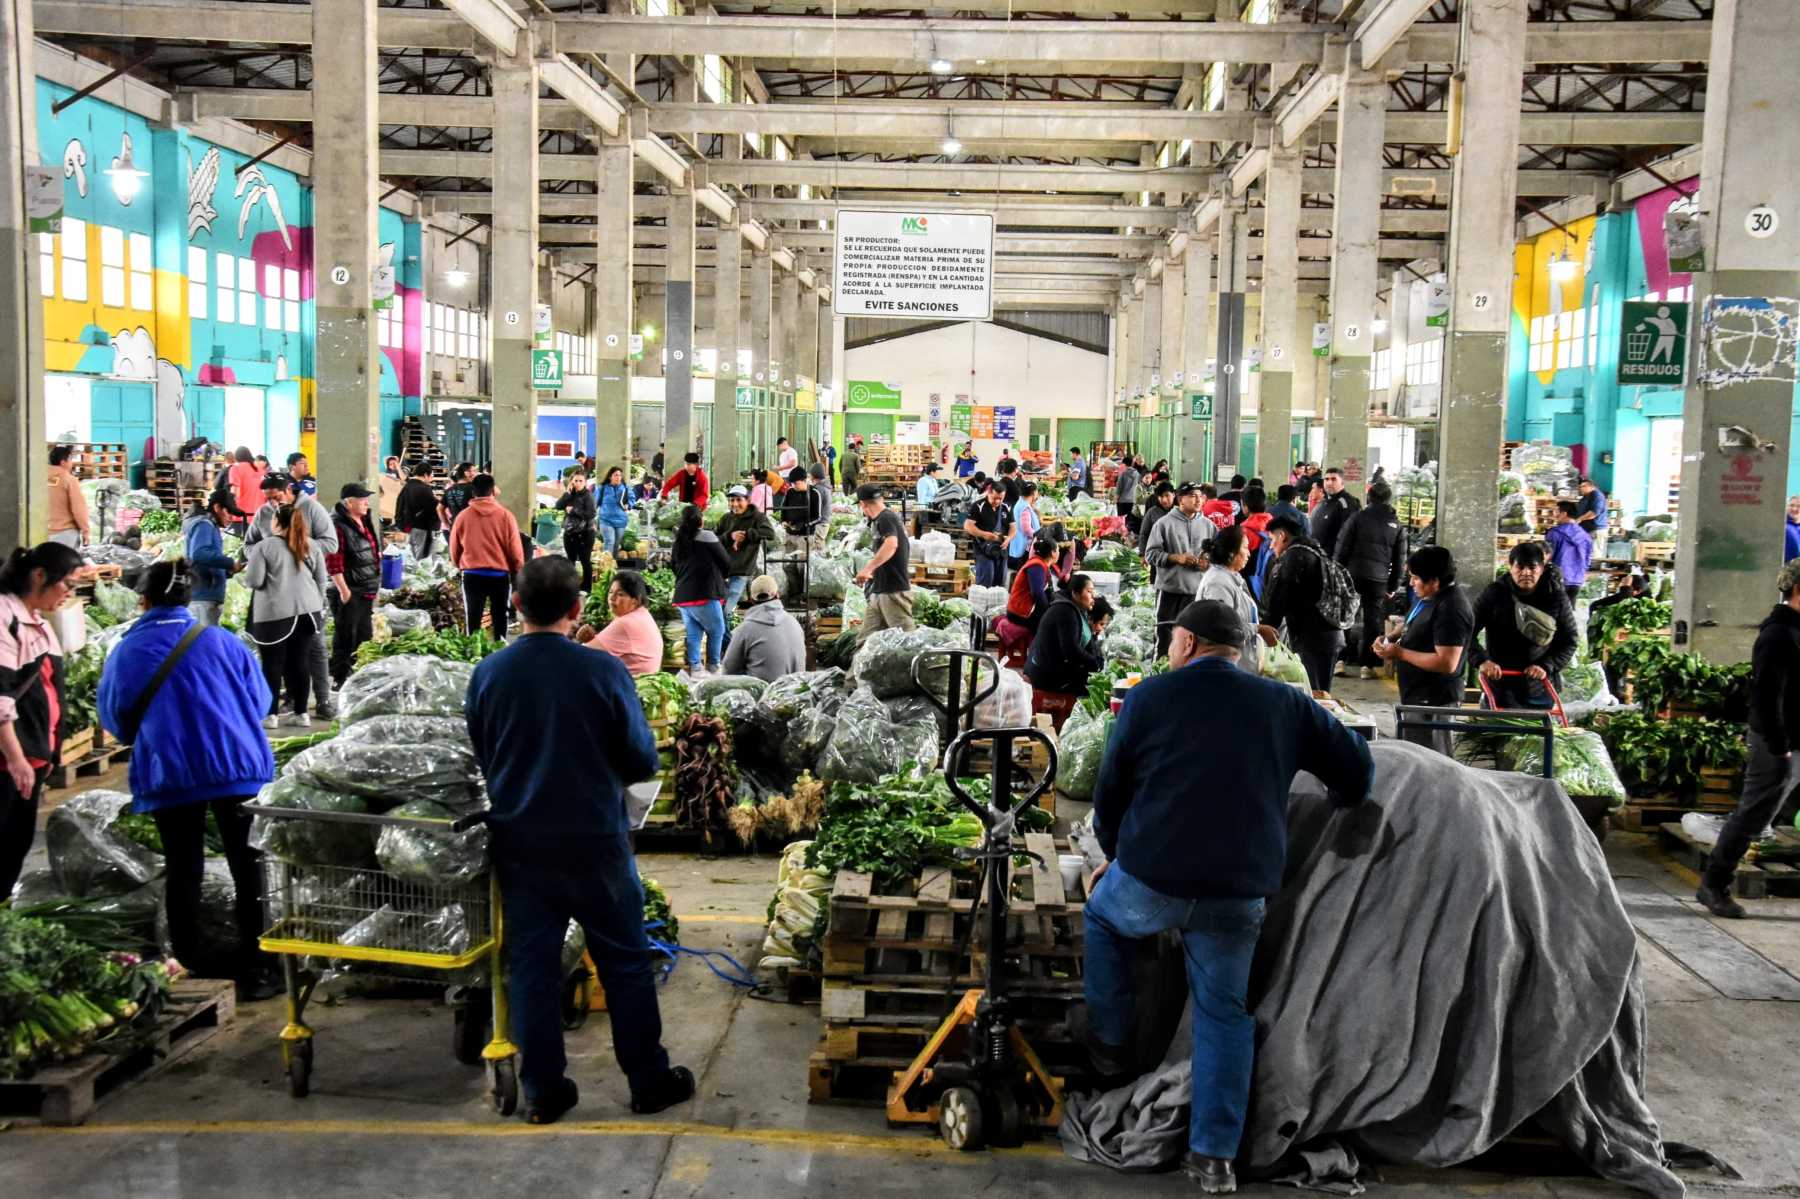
790 1138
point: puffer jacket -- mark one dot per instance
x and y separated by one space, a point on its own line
1497 637
358 557
701 569
218 686
1291 599
1178 533
1372 546
205 550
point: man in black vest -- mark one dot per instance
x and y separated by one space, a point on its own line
355 569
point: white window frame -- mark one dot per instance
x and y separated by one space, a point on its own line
246 279
196 271
47 265
74 239
226 283
112 267
142 276
290 299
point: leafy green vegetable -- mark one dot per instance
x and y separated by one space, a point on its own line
1579 762
58 995
900 824
663 696
1656 756
1636 615
658 912
81 687
160 520
439 643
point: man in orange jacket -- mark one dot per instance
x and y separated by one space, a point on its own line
485 545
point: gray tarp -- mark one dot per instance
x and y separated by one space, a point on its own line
1442 964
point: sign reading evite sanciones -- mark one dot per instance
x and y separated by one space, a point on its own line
929 264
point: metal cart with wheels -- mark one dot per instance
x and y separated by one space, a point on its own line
394 928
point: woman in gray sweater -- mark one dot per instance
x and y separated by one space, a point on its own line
286 573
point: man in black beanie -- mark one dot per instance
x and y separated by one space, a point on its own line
1196 840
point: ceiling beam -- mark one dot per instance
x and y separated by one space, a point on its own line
920 176
498 25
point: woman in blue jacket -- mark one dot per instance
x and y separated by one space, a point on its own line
199 744
615 500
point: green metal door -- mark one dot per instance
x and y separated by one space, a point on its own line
869 425
1039 434
1072 432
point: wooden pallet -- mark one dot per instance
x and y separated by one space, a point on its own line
1757 876
96 763
1655 553
69 1092
953 579
1649 815
98 459
77 746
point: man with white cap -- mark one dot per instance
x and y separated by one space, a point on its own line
743 531
768 643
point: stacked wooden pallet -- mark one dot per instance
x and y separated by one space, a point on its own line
417 447
894 465
1771 868
1655 553
1417 510
98 459
953 579
897 958
177 484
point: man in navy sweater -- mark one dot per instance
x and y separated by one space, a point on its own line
560 733
1196 840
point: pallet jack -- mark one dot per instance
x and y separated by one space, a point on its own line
978 1079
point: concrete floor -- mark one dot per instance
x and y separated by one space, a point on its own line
392 1113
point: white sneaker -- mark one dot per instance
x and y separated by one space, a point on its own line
1368 672
301 720
271 722
1342 670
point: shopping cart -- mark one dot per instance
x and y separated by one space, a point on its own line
1488 701
327 918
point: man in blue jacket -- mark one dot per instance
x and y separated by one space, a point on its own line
1195 833
205 548
557 760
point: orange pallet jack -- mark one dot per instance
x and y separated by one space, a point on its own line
978 1078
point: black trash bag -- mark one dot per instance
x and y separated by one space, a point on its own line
313 842
88 855
869 745
436 856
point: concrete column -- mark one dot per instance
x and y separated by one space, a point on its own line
1194 462
1356 228
1400 321
347 385
762 348
1280 348
1472 412
24 478
839 383
678 333
1741 361
728 308
789 343
512 285
1169 350
1150 326
1124 381
1228 402
612 304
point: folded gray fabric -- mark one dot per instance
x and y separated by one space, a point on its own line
1442 964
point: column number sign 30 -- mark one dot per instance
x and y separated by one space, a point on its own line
1761 221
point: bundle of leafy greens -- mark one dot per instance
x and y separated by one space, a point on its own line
1579 762
447 644
663 697
659 917
899 825
1656 756
81 687
162 520
59 996
1632 615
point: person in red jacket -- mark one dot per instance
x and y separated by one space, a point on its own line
690 483
1222 513
485 545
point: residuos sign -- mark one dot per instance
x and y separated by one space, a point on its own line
929 264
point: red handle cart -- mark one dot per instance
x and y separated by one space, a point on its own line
1487 695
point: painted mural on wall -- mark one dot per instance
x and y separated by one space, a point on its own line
180 288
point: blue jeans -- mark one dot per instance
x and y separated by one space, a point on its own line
609 537
602 894
989 572
706 620
734 591
1219 939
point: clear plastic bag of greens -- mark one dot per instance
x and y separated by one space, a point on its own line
435 855
795 913
805 737
868 744
405 620
1078 752
706 690
304 842
736 707
1127 645
1086 507
405 685
89 854
1281 662
122 923
235 613
388 775
404 730
856 606
1581 763
885 661
790 696
447 930
828 577
120 603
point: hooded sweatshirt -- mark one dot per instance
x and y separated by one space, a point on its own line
767 644
485 539
1775 681
205 549
1178 533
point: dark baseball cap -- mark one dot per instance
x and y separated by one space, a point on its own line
1284 523
1211 620
354 491
1186 489
223 498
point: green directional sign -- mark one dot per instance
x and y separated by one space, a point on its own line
546 369
1652 342
1200 407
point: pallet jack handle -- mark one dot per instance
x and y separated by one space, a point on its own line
992 816
951 705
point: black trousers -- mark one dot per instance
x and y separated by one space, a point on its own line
1373 593
289 662
1168 606
18 827
1770 785
183 832
579 548
353 624
494 592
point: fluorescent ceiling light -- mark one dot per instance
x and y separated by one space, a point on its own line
951 146
941 66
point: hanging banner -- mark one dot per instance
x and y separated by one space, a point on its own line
1683 237
930 264
1006 424
1253 359
43 199
1654 347
1437 302
1321 339
868 395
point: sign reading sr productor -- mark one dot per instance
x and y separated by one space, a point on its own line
927 264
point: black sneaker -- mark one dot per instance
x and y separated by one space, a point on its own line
1719 902
554 1106
677 1086
1214 1174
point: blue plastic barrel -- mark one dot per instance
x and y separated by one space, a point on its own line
393 571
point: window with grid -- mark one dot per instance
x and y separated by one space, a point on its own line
196 270
1381 372
46 265
246 281
713 81
227 285
290 299
112 266
1542 353
74 238
271 290
1568 348
1425 362
465 342
381 327
1593 332
434 323
143 289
